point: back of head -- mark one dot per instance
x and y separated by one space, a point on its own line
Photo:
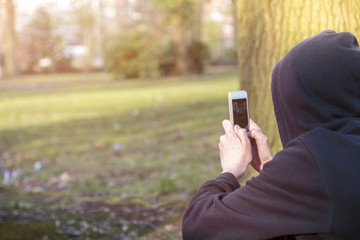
317 84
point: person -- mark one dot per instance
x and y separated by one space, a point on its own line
310 189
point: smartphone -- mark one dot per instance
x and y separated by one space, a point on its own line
238 108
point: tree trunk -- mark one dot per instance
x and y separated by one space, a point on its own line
198 20
235 24
10 68
180 42
267 30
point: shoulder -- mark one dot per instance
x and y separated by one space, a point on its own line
320 146
308 153
330 149
296 157
296 169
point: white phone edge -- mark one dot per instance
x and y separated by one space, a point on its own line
241 94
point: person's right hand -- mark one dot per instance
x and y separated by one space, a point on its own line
260 146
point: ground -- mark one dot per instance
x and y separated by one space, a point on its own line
85 156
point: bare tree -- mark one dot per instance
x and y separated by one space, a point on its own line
10 68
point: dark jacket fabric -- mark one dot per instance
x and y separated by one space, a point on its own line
311 189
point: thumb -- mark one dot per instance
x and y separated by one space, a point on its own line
242 134
253 126
261 141
228 126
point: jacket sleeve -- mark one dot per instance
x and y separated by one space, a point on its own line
287 198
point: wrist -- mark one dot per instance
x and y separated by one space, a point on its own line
238 173
262 163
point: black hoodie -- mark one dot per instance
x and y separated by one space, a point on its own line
311 189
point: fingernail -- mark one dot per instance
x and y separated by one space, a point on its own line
237 127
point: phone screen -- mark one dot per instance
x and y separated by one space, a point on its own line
240 112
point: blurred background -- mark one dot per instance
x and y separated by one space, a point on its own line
130 39
111 110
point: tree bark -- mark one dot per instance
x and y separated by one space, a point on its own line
10 68
268 29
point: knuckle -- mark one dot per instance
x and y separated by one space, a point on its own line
232 136
242 132
222 138
264 138
257 132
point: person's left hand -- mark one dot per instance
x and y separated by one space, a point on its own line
235 149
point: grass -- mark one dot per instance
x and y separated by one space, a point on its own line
154 142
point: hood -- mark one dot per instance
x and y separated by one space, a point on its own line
317 84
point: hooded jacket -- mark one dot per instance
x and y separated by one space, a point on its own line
311 189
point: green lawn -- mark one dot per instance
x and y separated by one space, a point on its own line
148 144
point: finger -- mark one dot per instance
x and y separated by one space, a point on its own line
259 136
242 134
236 129
255 134
253 126
228 126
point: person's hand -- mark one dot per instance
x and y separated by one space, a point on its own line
235 149
260 146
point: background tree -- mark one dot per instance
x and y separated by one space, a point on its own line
133 54
10 69
38 40
268 30
212 36
197 25
85 18
219 30
178 16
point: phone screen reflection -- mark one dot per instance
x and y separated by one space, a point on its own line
240 112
